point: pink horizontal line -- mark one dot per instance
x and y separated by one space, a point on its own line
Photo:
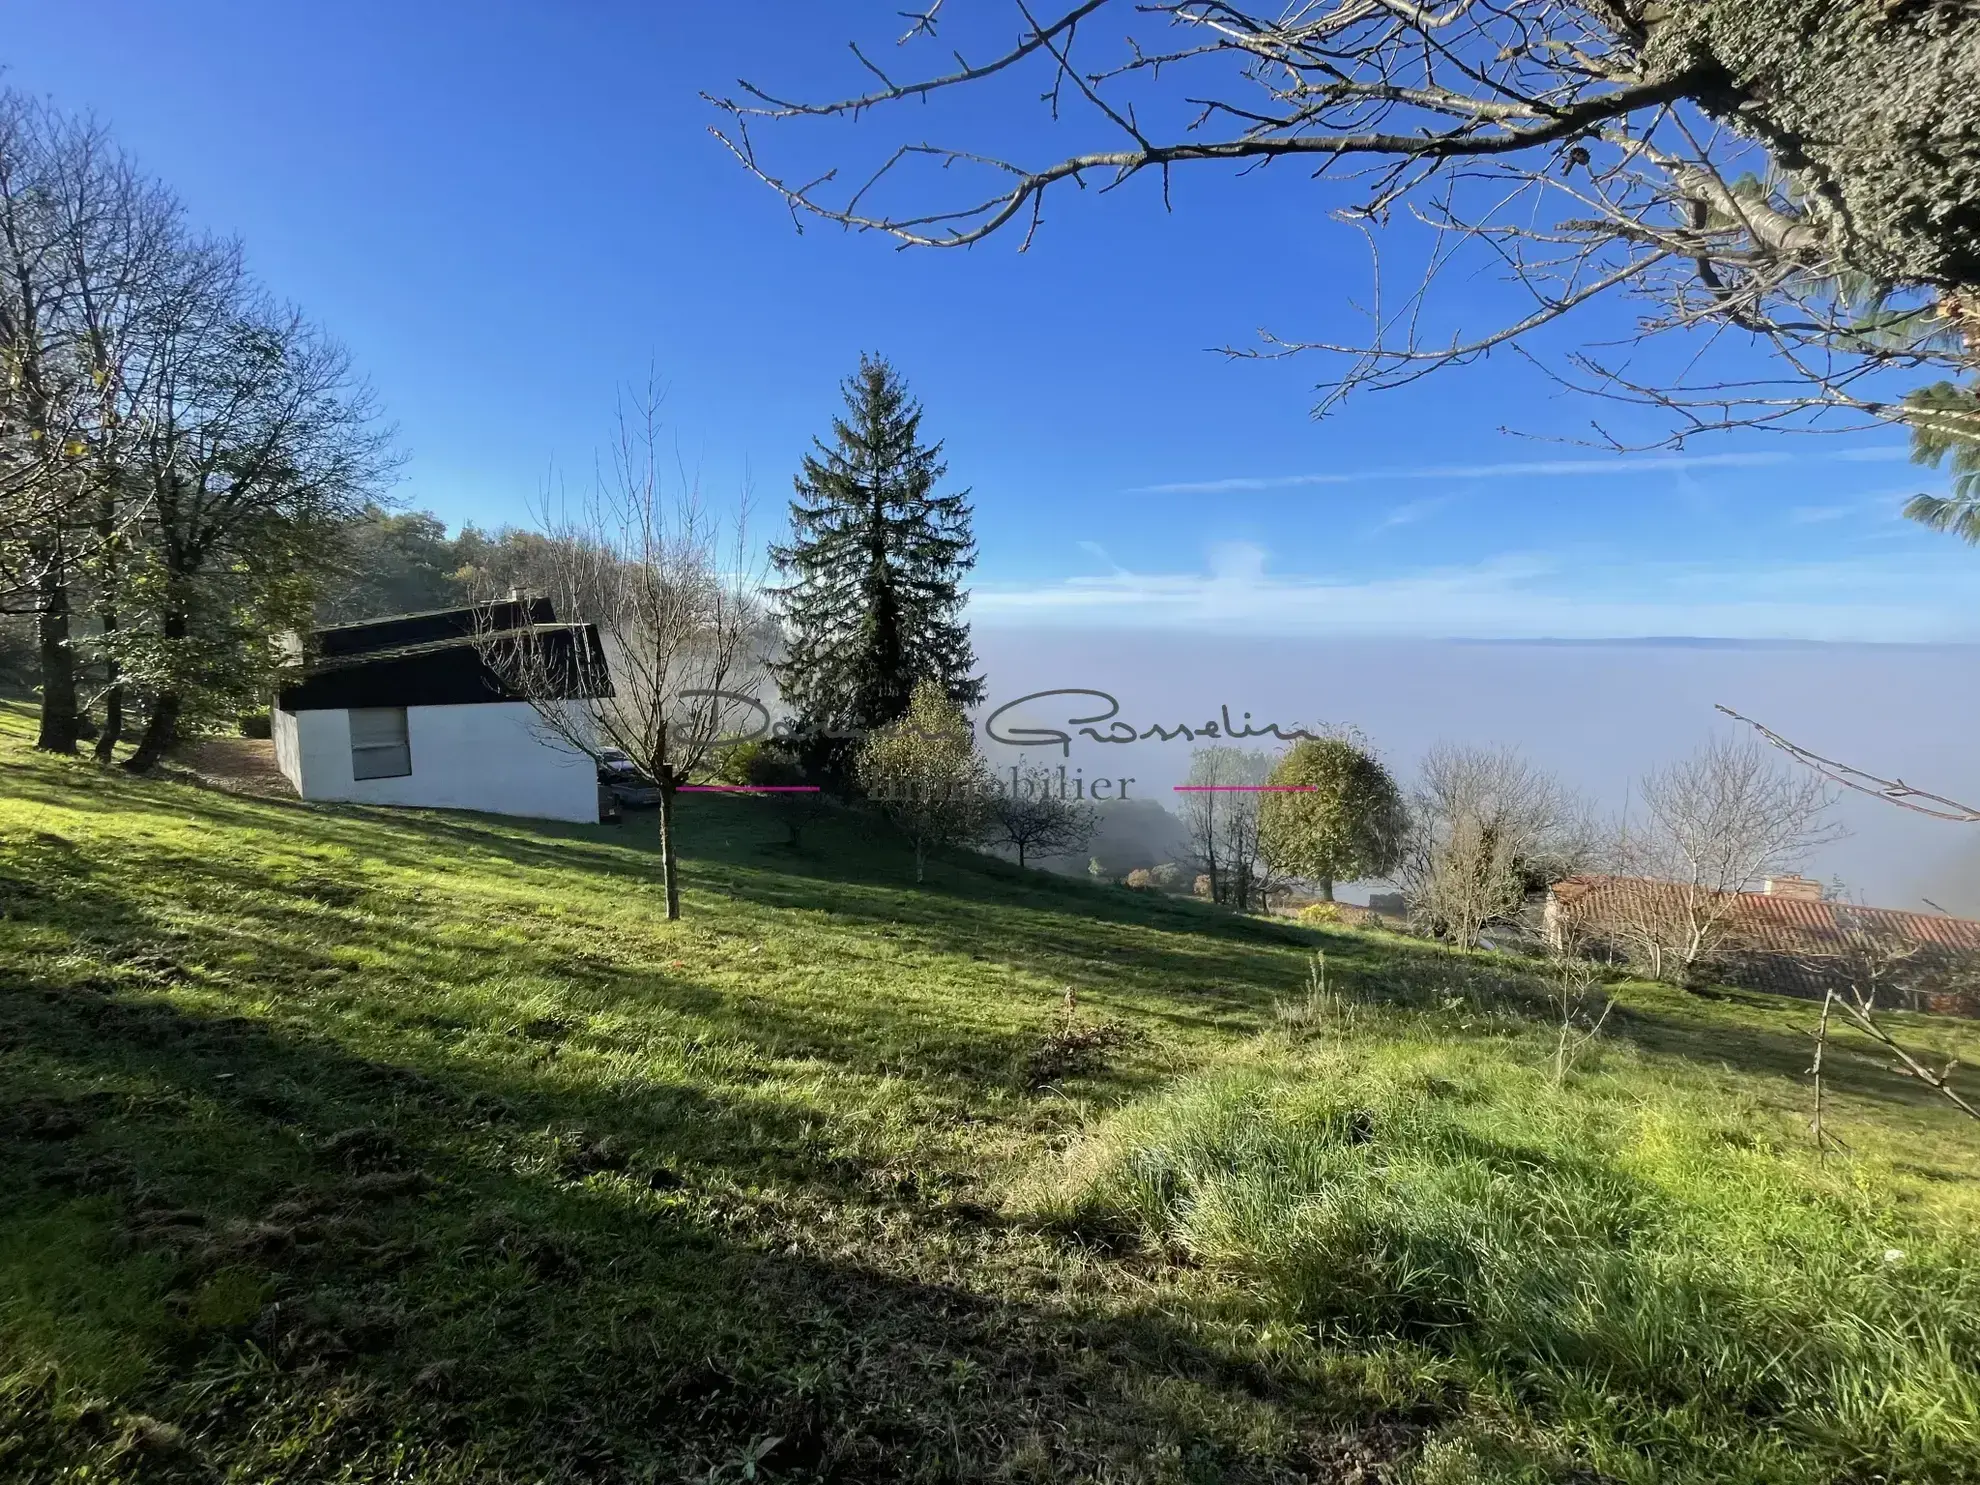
1244 788
749 788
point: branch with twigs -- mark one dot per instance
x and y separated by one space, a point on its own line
1544 136
1861 1017
1871 962
1892 791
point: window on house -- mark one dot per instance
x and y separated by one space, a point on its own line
379 748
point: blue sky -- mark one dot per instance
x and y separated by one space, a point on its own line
508 210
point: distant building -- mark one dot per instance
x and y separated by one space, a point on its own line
414 710
1789 939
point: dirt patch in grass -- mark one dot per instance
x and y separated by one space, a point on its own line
240 765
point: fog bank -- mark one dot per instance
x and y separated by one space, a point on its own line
1598 714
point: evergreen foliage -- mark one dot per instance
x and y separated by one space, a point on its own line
871 600
774 767
1347 821
1945 421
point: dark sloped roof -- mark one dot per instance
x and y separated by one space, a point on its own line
454 657
400 630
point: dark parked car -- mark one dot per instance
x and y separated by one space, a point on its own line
630 787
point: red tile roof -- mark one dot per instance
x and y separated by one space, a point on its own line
1774 938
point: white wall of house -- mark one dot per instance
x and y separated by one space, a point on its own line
495 757
284 728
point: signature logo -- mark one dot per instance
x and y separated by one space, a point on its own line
1103 707
1119 731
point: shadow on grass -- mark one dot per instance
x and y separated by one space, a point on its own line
1196 967
401 1263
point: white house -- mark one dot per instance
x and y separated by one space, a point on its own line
415 710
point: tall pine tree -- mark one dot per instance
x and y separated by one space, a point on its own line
872 598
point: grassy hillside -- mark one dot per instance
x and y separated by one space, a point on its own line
367 1145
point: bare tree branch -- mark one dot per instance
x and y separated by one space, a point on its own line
1592 150
1893 791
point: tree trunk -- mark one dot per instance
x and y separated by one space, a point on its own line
161 731
113 694
1874 108
1326 889
920 859
669 868
1020 846
161 728
113 717
60 716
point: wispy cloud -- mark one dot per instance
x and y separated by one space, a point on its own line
1102 553
1885 505
1518 595
1410 512
1617 467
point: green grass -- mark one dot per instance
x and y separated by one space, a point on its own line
341 1144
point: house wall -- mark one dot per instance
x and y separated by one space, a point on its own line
288 746
494 757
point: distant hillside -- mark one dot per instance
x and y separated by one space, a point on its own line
1133 833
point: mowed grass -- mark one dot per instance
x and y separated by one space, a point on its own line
343 1144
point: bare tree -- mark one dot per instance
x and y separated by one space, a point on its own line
1030 814
1868 964
674 608
1574 987
1220 814
1712 826
1794 175
1486 829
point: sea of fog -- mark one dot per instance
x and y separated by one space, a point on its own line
1598 714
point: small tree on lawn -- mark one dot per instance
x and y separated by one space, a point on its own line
790 793
1346 821
1030 814
925 773
676 622
1221 816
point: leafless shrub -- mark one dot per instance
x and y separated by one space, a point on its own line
1712 825
1486 829
1072 1047
1575 986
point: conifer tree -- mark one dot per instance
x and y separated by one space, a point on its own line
872 598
